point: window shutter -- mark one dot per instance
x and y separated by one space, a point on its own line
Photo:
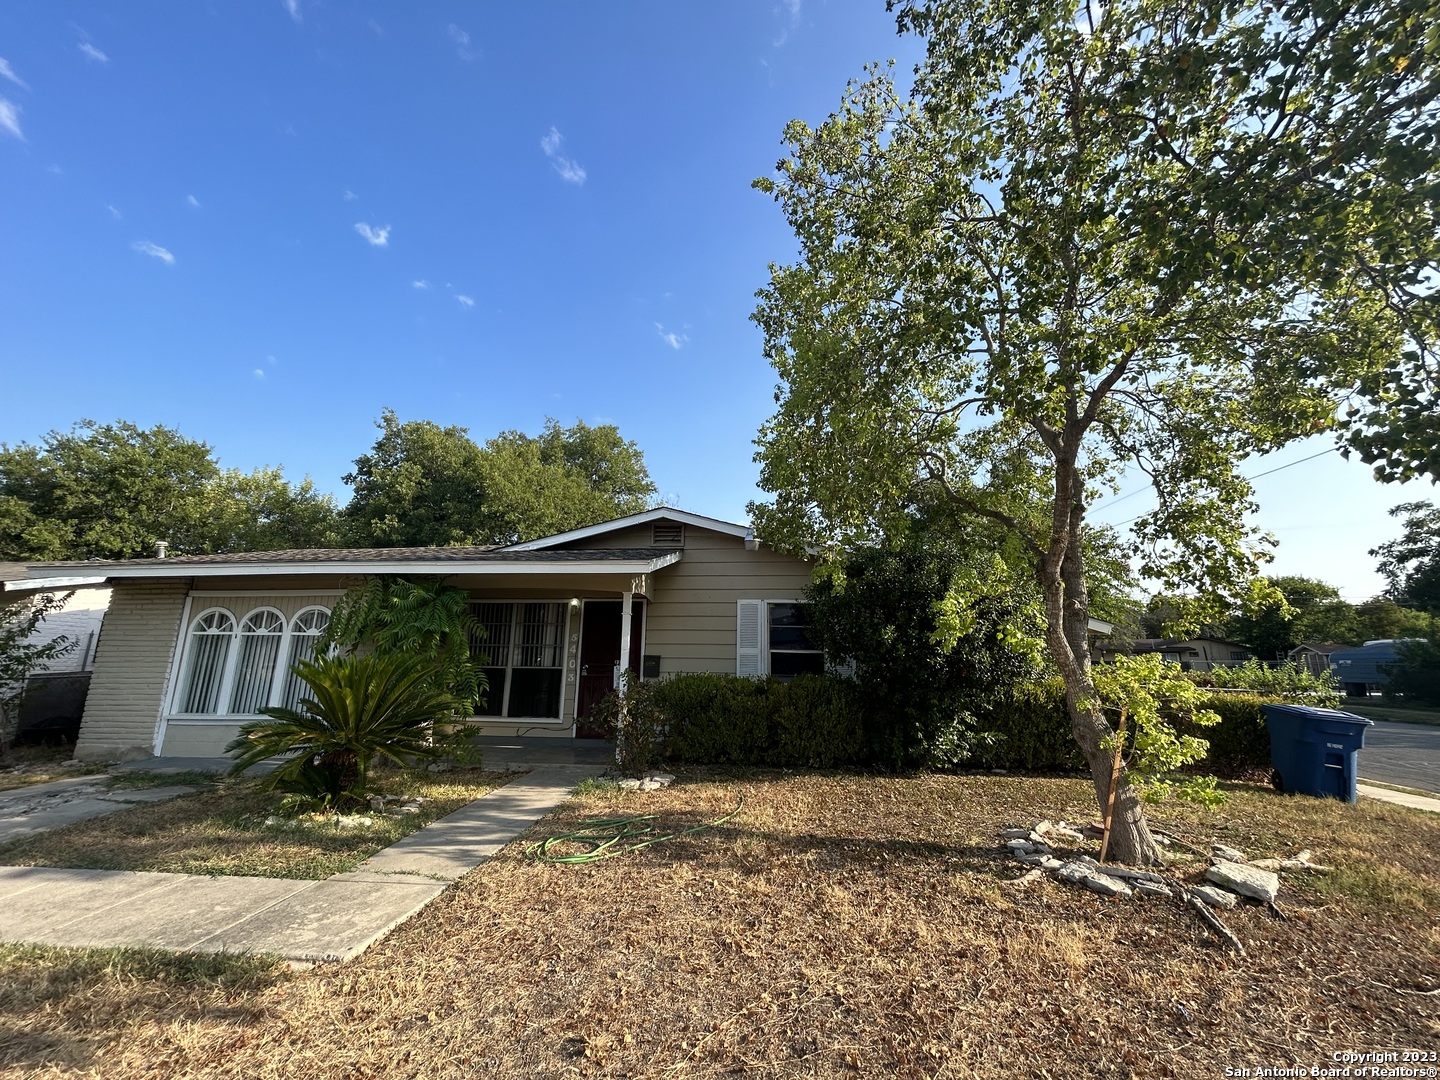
749 653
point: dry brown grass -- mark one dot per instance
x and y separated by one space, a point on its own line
27 765
839 926
223 830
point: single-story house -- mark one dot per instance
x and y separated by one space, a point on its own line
1192 654
194 646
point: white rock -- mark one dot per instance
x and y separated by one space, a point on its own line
1229 854
1105 886
650 785
1020 847
629 784
1150 888
1031 860
1074 872
407 809
1246 880
663 777
1215 897
439 766
1016 834
1044 826
353 821
377 802
1051 863
1128 874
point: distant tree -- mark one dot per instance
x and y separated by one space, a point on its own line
22 653
1411 563
1382 618
422 484
111 491
1291 611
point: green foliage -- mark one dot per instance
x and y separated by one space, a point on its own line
812 721
424 485
1292 682
637 722
21 654
111 491
1156 699
1415 677
421 617
933 626
359 708
1240 742
1411 563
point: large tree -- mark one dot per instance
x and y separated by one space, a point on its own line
111 491
1146 236
1411 562
422 484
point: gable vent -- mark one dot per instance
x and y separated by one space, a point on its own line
667 534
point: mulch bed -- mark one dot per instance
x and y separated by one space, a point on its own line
839 926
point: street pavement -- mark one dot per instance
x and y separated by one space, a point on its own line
1406 755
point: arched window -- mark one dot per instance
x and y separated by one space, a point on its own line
305 630
260 636
208 655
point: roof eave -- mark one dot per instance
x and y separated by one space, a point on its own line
700 521
162 568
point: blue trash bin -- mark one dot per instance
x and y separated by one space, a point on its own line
1314 750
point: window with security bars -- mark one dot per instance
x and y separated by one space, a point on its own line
238 668
522 648
305 631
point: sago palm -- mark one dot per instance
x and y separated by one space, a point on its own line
359 708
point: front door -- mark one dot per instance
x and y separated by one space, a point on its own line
600 652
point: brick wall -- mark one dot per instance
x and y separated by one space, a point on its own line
127 688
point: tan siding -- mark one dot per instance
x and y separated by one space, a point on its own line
197 740
133 659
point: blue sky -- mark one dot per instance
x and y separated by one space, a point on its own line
264 221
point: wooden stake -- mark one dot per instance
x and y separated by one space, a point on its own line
1114 781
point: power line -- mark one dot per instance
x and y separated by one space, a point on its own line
1257 476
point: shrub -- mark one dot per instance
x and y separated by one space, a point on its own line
1415 675
931 629
361 708
1293 682
812 720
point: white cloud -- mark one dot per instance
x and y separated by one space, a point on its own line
145 247
193 202
92 52
113 212
7 72
10 118
375 237
350 196
570 171
259 373
789 12
671 338
461 40
420 283
293 7
468 301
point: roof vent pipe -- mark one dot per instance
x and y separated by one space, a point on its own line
160 546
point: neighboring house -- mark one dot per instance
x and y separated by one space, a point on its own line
195 646
1193 654
54 694
1314 656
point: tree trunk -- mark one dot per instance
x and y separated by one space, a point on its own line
1067 627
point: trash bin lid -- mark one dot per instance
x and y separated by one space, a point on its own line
1311 712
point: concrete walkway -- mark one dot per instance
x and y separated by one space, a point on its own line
304 921
1399 798
28 810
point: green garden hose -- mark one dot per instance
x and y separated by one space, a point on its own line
606 837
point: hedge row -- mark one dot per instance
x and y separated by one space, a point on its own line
817 721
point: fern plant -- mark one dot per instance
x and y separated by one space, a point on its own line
359 708
421 617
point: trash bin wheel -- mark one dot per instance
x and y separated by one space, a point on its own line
1276 780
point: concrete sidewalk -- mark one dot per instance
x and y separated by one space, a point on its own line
304 921
1399 798
28 810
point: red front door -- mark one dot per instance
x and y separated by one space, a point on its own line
600 652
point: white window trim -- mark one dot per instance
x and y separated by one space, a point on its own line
762 662
180 669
